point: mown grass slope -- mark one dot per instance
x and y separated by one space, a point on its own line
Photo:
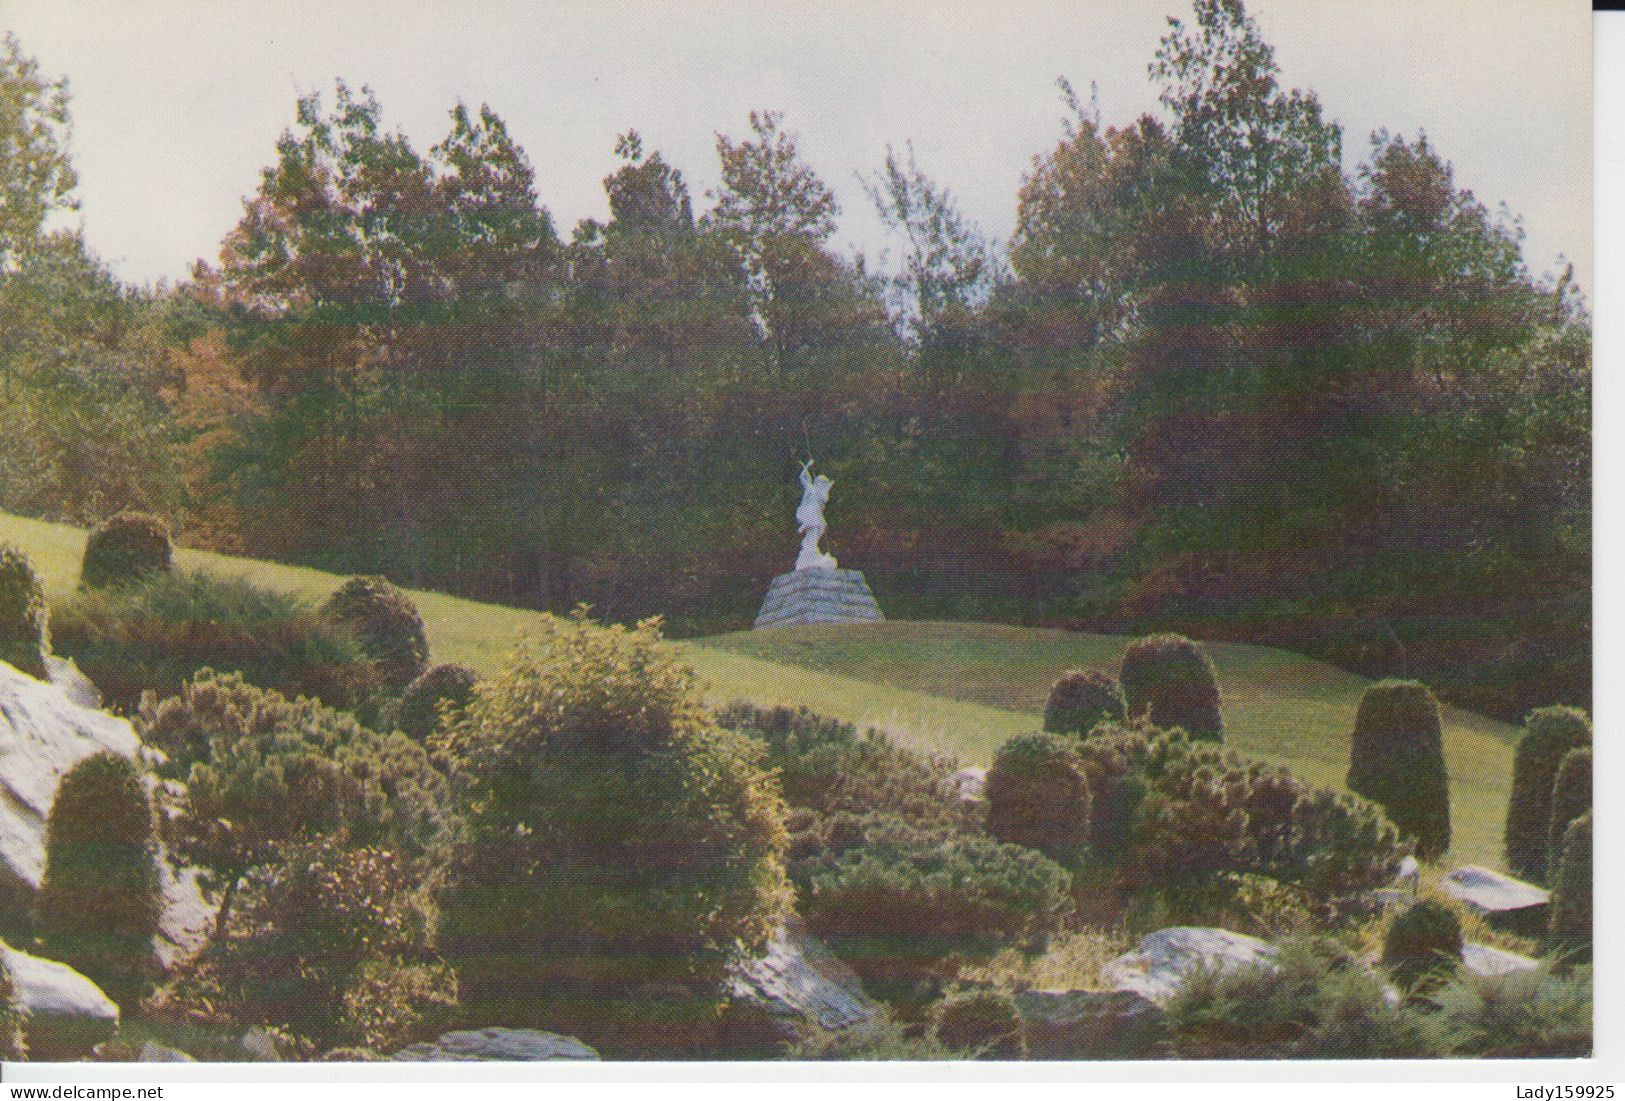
963 688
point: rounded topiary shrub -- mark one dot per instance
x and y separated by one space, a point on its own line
625 850
1423 944
1571 797
25 636
1038 796
1571 891
1397 762
1081 700
98 905
1171 681
420 710
388 625
127 546
981 1024
1548 735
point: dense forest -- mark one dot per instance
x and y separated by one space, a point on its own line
1215 382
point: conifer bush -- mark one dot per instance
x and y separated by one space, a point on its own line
127 546
1549 734
1397 762
620 841
1038 796
98 906
1170 680
333 950
25 637
906 908
388 625
1571 797
1423 944
1081 700
982 1024
419 712
1571 891
828 767
263 773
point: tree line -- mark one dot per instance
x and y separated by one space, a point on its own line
1213 382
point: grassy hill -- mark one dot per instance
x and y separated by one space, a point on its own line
958 687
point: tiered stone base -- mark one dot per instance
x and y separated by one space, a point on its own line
818 596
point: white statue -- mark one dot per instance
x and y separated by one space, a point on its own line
810 517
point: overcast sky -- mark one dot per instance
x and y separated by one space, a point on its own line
177 105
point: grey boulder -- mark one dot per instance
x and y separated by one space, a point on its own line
508 1045
43 734
797 980
1090 1024
1157 968
65 1015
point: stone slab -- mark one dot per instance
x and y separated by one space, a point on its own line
818 596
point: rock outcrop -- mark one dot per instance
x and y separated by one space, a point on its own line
1484 959
1090 1024
797 982
509 1045
43 734
65 1015
1158 966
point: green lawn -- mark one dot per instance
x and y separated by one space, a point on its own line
958 687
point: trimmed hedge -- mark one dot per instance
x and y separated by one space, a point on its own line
386 621
1549 734
25 634
1423 945
1038 796
1571 891
98 906
1397 762
127 546
419 713
1081 700
1170 680
1571 797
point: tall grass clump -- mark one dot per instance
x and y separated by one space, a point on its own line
156 634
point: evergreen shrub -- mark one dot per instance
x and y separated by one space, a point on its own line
1170 680
127 546
25 636
1397 762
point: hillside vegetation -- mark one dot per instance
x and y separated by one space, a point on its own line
958 687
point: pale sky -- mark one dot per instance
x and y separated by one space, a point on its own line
177 105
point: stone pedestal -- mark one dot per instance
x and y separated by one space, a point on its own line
818 596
